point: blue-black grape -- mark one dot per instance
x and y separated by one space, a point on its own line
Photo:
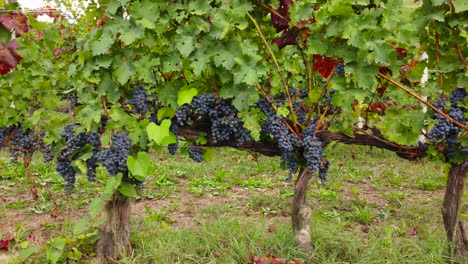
139 101
340 68
323 170
312 152
445 129
195 153
115 158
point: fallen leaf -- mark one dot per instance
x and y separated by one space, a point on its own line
5 244
414 231
54 213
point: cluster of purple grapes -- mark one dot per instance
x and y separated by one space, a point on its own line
312 148
288 143
73 99
216 116
22 142
195 153
445 129
114 159
323 170
285 139
73 143
139 101
340 68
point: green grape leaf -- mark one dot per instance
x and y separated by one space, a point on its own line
124 70
301 10
166 112
251 121
185 96
460 5
139 166
128 190
161 134
283 111
102 44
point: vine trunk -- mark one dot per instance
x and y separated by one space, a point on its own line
115 232
301 213
457 230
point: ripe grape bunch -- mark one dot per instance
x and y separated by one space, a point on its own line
312 148
217 116
73 143
114 159
195 153
22 142
445 129
139 101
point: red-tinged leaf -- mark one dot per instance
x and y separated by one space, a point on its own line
296 261
414 231
279 261
8 58
13 45
324 65
381 90
281 23
16 21
5 244
58 52
101 22
4 69
384 70
288 38
402 52
31 237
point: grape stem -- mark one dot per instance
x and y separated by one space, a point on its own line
276 109
423 101
460 55
321 120
104 104
215 88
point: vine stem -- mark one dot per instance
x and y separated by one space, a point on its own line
321 119
215 88
306 65
441 77
276 109
280 72
423 101
460 55
328 81
104 104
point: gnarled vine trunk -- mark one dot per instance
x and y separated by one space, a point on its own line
457 230
301 213
115 232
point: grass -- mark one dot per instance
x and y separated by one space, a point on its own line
238 205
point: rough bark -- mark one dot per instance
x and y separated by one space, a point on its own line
371 137
301 213
115 232
457 230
